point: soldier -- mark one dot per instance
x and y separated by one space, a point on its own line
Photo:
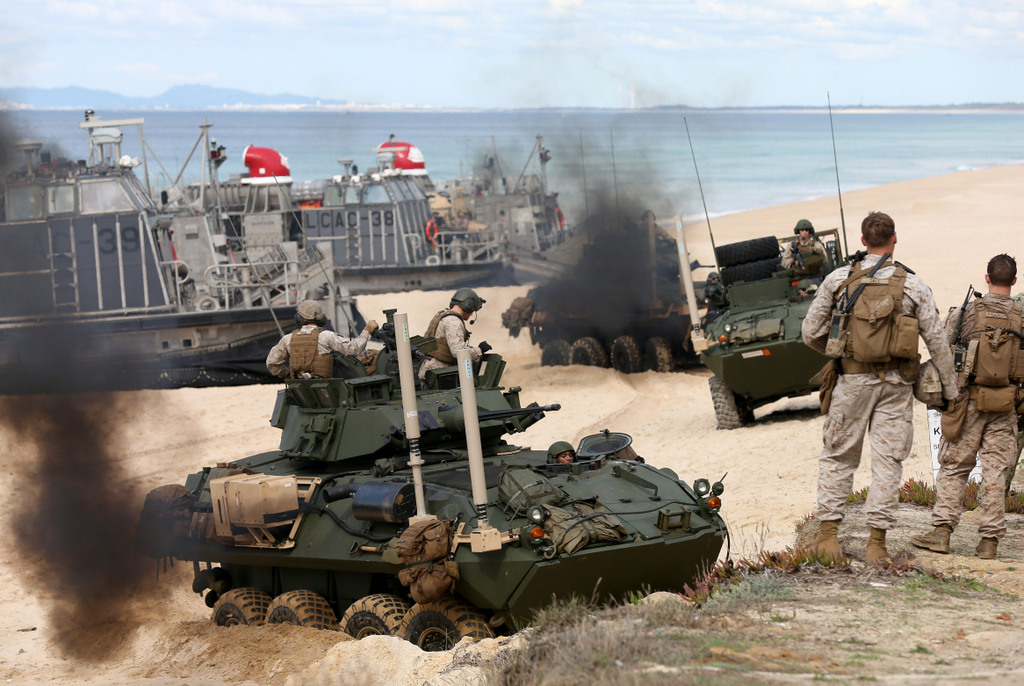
715 298
561 452
982 422
306 352
449 328
805 253
873 392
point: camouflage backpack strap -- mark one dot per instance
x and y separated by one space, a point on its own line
855 276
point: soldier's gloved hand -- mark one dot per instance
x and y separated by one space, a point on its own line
371 327
484 347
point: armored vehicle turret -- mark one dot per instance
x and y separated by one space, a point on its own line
757 353
391 509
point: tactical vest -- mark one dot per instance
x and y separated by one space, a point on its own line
303 356
879 334
442 352
999 360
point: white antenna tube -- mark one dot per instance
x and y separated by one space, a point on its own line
700 343
484 537
409 408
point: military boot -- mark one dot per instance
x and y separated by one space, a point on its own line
876 547
937 541
987 548
827 542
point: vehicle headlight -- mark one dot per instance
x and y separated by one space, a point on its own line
536 514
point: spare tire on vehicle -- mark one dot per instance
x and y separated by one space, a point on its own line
746 251
751 271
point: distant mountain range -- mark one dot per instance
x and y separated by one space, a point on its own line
178 97
211 98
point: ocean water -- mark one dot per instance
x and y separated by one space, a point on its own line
740 160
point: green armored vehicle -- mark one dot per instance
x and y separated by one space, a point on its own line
392 509
756 351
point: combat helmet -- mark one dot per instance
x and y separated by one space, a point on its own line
467 299
557 448
309 312
928 387
803 225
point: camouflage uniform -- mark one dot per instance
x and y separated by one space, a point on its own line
988 436
812 247
327 341
865 403
453 329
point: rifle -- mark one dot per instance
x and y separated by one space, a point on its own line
836 343
849 302
959 350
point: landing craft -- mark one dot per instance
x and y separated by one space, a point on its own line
389 509
391 229
102 287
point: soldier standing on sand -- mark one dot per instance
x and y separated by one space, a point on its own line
871 396
307 350
449 328
982 422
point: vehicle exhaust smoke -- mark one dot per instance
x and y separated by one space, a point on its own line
74 522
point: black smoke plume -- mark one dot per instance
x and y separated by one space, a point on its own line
75 518
619 273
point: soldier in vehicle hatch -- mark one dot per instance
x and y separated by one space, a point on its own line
561 452
805 253
449 328
306 352
869 315
981 424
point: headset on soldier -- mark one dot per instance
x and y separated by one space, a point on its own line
467 299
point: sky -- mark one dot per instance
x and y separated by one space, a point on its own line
529 53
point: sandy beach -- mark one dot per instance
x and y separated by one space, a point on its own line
947 227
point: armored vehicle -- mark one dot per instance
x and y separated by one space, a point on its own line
103 286
389 509
756 351
622 306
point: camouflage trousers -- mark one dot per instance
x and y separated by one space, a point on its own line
862 404
991 438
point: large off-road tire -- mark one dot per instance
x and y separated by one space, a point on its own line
746 251
751 271
626 356
588 351
729 413
239 606
556 353
440 625
659 354
380 614
302 608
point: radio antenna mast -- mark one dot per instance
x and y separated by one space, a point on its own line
701 189
835 158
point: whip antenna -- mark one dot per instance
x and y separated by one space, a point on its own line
586 200
835 158
701 189
615 179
